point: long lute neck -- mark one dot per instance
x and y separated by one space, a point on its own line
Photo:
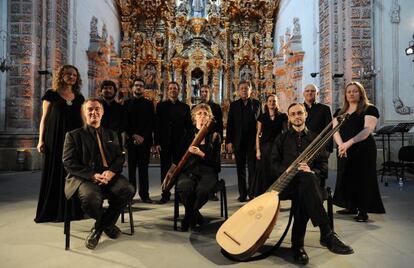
307 155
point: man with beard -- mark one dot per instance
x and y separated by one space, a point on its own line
319 116
140 120
173 123
113 117
304 189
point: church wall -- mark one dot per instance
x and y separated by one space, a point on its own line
81 16
395 70
307 12
43 35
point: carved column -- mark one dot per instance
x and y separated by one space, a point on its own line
188 87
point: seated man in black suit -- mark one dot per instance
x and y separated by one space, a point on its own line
93 159
304 189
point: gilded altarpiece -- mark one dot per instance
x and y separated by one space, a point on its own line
197 42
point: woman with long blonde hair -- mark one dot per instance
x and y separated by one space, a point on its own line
357 185
61 112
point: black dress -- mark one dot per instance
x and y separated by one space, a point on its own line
61 118
357 184
270 130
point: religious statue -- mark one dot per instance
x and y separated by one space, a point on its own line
296 26
395 12
149 76
198 7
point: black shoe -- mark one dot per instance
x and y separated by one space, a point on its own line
300 256
93 238
163 200
361 217
347 211
335 245
147 200
213 197
112 231
199 218
242 199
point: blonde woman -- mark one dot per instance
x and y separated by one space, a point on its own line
61 112
199 175
357 185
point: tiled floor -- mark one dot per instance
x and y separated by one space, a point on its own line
385 241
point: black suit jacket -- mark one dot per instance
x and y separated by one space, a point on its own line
173 122
79 153
140 119
234 122
319 116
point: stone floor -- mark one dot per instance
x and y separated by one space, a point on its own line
385 241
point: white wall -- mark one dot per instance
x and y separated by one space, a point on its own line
395 70
308 13
79 23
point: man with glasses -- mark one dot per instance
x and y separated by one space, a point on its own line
304 189
140 120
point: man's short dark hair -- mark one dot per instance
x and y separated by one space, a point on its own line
244 82
92 99
109 83
139 79
173 83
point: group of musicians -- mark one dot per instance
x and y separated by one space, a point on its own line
93 156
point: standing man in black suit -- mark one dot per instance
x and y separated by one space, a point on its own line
113 116
319 116
205 93
173 123
140 120
241 135
93 159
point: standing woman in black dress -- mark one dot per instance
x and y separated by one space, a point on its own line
357 185
61 112
269 125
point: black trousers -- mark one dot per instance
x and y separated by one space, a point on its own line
139 155
168 155
245 153
307 203
118 192
195 186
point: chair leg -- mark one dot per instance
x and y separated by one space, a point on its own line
66 226
224 192
131 219
176 209
122 216
221 203
330 208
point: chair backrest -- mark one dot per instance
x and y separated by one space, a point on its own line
406 153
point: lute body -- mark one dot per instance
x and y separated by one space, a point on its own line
250 226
